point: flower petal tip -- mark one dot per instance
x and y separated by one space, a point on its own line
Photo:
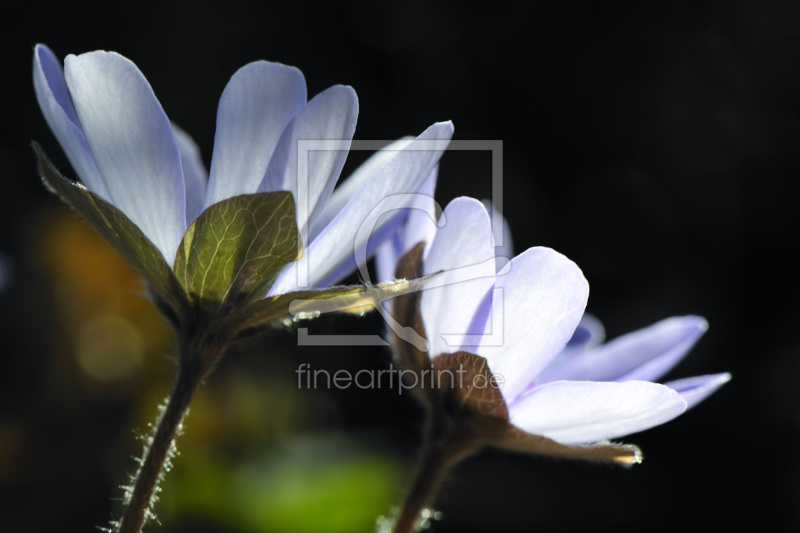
723 378
41 48
446 126
696 389
700 322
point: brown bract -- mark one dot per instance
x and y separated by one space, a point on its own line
466 408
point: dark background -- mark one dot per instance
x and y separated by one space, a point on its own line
656 145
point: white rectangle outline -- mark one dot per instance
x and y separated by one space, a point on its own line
305 147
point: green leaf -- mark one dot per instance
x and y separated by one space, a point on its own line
235 249
123 235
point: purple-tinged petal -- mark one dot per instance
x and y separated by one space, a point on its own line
132 143
333 252
195 175
258 103
589 333
463 242
581 412
646 354
387 254
543 298
56 104
695 390
358 179
385 229
329 116
417 226
681 332
420 226
502 234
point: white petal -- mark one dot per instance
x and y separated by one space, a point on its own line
195 175
580 412
544 296
594 328
387 254
347 188
589 333
463 242
258 103
332 253
645 354
419 226
56 104
329 116
502 234
695 390
132 143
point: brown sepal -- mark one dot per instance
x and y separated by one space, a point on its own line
467 386
406 311
512 438
466 408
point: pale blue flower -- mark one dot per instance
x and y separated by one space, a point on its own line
528 321
124 149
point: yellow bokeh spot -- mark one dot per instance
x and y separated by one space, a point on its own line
109 348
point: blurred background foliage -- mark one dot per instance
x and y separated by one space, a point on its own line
656 144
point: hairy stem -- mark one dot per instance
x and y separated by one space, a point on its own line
444 446
435 461
159 448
